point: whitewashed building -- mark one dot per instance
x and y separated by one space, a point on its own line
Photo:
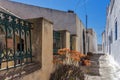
112 30
103 41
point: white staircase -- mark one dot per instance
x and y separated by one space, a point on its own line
103 68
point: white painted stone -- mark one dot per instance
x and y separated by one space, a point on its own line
113 16
109 69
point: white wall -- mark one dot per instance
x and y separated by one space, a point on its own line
114 47
103 41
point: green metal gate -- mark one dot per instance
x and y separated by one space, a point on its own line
15 41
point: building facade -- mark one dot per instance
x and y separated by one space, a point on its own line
100 50
91 41
62 20
112 30
64 30
103 42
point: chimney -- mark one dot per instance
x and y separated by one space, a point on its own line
70 11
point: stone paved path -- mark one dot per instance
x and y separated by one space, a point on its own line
102 69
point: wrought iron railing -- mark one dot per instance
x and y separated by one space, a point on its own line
15 41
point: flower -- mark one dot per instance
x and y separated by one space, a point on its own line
81 55
67 56
86 62
63 51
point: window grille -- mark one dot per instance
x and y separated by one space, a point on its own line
15 41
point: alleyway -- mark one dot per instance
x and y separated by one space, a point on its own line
103 68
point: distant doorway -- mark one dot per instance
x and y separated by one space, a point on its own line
84 48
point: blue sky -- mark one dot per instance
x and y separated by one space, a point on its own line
96 10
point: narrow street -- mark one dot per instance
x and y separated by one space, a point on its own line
59 40
103 68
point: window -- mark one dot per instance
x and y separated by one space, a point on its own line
56 41
111 38
116 31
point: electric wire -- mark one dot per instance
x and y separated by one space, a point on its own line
78 3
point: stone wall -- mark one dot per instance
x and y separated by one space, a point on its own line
79 32
42 42
91 41
65 39
74 42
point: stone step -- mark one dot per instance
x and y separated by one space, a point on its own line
89 77
96 57
100 64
